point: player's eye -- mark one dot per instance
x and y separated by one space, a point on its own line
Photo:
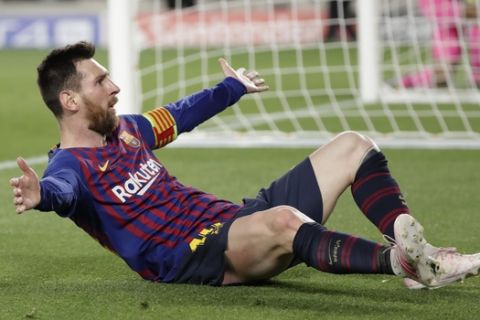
100 80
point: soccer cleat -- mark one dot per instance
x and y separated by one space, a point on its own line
452 266
415 285
412 284
409 249
427 265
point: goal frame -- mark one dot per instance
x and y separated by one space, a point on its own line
123 65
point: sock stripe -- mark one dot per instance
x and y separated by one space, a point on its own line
374 261
377 194
337 252
375 197
346 259
390 217
361 182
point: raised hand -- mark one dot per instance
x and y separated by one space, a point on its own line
26 189
251 80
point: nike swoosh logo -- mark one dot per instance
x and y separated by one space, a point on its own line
145 187
104 167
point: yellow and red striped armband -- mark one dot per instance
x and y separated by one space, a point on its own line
163 124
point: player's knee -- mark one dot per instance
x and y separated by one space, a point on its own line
354 145
285 220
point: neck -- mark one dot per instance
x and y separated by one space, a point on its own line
77 135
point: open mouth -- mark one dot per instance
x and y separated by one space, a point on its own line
113 102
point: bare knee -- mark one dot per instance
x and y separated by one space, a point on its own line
261 245
352 147
284 223
354 143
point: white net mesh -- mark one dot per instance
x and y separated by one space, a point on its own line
312 72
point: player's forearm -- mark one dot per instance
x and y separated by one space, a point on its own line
191 111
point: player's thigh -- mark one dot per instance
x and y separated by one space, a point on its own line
260 244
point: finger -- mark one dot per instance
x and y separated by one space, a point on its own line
262 88
17 192
17 201
20 209
14 182
241 71
22 164
259 81
226 68
252 74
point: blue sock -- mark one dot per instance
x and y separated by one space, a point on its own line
377 194
336 252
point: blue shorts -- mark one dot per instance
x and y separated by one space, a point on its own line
297 188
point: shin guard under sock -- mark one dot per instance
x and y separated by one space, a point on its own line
336 252
377 194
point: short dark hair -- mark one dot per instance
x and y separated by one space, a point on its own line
57 72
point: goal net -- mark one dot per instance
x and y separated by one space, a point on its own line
329 70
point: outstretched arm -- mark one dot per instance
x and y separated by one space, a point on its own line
57 191
26 189
187 113
193 110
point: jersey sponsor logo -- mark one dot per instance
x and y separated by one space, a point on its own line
104 167
139 181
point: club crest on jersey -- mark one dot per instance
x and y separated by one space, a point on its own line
139 181
129 139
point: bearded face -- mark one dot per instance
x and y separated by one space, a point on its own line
97 95
101 120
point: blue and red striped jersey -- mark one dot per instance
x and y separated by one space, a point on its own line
124 197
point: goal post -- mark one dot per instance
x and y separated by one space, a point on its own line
318 86
368 51
123 54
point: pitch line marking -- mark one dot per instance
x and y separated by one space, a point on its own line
11 164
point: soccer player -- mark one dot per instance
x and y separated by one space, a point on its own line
447 17
104 176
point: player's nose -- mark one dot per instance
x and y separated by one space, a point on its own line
114 89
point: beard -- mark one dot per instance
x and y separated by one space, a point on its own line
102 121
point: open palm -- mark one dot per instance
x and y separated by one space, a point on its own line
26 189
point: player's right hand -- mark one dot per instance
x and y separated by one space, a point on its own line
26 189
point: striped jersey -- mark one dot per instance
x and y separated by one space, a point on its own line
123 196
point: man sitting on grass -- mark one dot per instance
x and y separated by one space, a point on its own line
104 176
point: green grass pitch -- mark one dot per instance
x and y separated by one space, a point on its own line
49 269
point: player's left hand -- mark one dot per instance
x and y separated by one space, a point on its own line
26 189
251 79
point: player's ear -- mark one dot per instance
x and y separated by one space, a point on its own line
69 100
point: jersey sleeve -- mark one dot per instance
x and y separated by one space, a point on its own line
60 190
162 125
58 194
193 110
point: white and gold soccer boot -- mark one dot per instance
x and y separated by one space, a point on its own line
426 265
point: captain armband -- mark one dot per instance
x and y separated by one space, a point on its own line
163 125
